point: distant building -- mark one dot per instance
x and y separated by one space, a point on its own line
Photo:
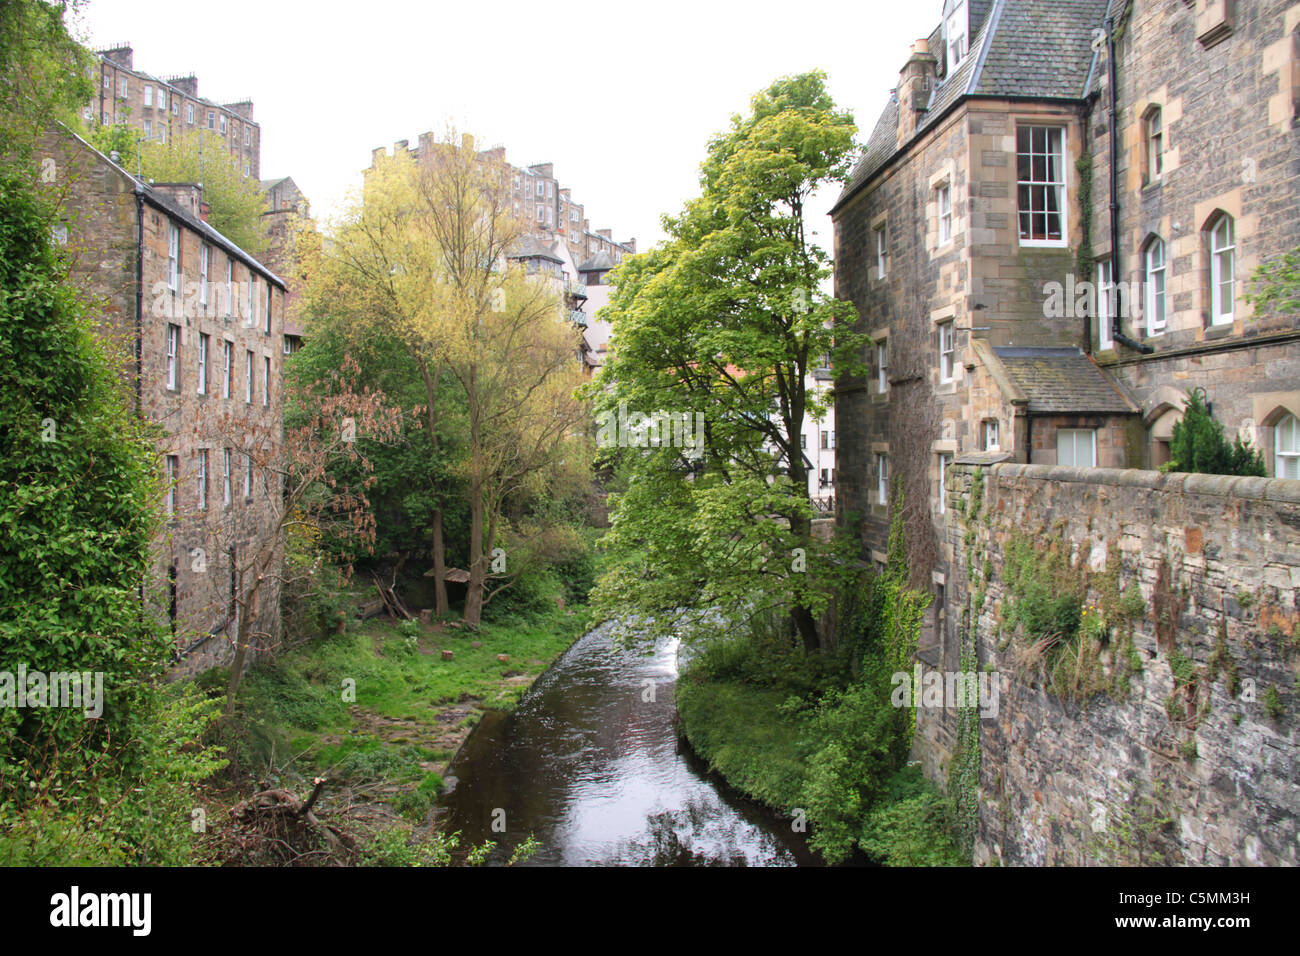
196 324
162 109
287 211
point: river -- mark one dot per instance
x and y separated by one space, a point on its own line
590 764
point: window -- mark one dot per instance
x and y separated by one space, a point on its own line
173 347
944 461
248 376
1156 297
162 99
248 476
1222 260
247 169
288 349
947 352
148 129
173 257
212 120
266 380
541 189
228 359
550 190
162 133
944 196
221 124
1076 447
1286 448
541 213
252 302
148 96
1040 173
882 366
955 32
1105 319
230 285
573 214
991 437
205 255
201 388
266 327
173 466
550 216
225 476
882 479
1153 127
803 441
189 113
882 252
123 88
827 478
826 439
248 136
202 480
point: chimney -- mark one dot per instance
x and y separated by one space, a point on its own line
204 209
915 83
243 107
400 146
189 85
119 55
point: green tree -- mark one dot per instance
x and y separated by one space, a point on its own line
235 201
725 320
1198 445
43 72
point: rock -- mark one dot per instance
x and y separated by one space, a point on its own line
476 644
448 655
504 658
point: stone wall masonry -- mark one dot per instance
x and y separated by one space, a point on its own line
1217 563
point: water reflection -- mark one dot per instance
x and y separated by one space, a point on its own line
590 764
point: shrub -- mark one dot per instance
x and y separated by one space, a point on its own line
1198 445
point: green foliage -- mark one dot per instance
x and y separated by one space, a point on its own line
44 73
1272 702
1275 284
912 825
1198 445
1138 827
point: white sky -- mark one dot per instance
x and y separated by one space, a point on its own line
621 98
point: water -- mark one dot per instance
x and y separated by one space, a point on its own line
594 770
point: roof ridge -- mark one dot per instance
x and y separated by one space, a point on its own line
990 28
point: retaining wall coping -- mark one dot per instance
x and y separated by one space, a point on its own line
1220 486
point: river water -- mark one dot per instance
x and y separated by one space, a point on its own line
590 764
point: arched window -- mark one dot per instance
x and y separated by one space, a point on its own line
1223 256
1286 448
1157 297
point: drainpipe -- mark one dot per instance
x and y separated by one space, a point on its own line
1117 333
139 299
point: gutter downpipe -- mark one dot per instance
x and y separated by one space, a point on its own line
1117 333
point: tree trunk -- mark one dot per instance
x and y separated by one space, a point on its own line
477 570
440 602
241 649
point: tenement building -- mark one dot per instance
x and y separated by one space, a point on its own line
165 109
1013 315
196 323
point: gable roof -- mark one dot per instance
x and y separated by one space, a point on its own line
1021 49
1062 381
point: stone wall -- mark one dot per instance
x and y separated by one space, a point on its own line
1197 721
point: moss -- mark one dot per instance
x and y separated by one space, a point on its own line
1272 702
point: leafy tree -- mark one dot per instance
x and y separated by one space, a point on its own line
725 320
43 72
235 202
1198 445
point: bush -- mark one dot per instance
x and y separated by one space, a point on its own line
1198 445
912 826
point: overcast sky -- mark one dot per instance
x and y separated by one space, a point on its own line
622 98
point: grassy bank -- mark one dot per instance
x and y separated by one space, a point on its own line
807 737
377 713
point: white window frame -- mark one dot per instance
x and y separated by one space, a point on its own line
212 119
123 87
943 201
1153 130
882 366
1105 289
1223 269
148 96
226 488
991 438
882 478
228 356
205 257
221 124
173 256
162 99
266 381
1073 435
201 386
956 34
248 376
947 351
173 356
1156 273
173 471
1286 447
945 461
202 480
882 250
1035 185
189 114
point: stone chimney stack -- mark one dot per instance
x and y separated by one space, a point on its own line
915 84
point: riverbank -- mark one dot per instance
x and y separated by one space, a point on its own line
819 746
377 713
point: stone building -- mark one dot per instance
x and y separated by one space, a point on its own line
196 325
163 109
974 237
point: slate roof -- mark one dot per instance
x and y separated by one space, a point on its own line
1063 381
1036 49
598 263
531 247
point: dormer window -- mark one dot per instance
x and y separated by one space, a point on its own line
956 32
